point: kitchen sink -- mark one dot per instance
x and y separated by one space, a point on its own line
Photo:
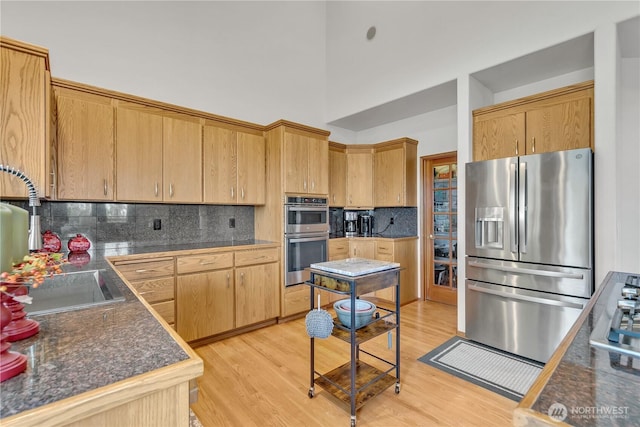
72 291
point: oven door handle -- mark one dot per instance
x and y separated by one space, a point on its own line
526 298
302 239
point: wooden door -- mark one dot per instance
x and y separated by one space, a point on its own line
205 304
84 146
251 169
441 229
138 155
318 166
296 158
22 121
360 179
497 136
389 172
562 126
337 177
182 160
257 293
220 154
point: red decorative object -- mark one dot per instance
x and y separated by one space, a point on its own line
11 363
79 243
79 258
51 242
19 327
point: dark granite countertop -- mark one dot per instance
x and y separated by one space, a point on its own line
82 350
595 390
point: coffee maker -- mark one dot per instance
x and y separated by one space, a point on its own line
350 223
366 224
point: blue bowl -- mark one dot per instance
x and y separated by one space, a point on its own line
364 312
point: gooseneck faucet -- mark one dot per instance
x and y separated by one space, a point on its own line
35 239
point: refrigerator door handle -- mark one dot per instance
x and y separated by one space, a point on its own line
526 298
513 205
532 271
522 208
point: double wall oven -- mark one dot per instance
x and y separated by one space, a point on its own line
306 236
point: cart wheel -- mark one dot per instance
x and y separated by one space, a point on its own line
397 388
311 393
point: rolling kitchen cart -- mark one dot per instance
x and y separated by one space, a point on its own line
355 382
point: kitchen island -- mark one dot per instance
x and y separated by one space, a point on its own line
113 364
583 385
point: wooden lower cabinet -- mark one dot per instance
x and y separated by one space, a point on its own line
205 302
155 282
257 293
222 291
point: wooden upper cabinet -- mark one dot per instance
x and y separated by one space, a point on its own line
24 117
234 166
561 119
138 155
306 164
318 165
564 125
496 137
395 172
84 145
359 176
337 175
158 156
182 160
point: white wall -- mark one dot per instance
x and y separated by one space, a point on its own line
254 61
422 44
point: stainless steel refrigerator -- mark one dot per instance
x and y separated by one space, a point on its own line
529 247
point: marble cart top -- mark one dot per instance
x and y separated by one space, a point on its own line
354 266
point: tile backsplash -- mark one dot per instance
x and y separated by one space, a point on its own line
133 223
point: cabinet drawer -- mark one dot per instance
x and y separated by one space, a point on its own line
257 256
296 300
154 290
166 310
139 270
204 262
384 248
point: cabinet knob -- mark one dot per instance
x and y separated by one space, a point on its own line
431 236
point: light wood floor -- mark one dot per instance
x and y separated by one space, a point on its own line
262 378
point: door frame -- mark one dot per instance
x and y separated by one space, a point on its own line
426 187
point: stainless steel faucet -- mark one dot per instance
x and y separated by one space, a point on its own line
35 237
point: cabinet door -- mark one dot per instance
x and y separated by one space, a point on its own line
498 136
138 155
360 179
563 126
257 293
22 121
205 304
296 158
251 169
337 178
362 248
84 146
318 166
219 148
182 160
389 172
